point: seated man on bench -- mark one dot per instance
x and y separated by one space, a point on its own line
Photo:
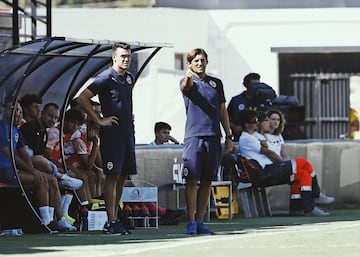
273 170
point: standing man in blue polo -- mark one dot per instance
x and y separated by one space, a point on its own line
114 87
205 109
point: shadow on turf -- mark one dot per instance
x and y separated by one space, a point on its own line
37 243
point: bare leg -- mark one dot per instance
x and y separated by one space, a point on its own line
54 196
190 198
38 184
203 199
110 184
119 190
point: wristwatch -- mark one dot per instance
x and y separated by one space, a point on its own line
231 137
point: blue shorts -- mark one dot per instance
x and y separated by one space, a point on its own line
201 158
118 154
8 176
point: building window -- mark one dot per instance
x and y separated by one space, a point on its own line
180 61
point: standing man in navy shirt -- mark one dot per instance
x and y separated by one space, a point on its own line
241 102
205 109
114 86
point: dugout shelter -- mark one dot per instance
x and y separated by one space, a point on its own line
55 68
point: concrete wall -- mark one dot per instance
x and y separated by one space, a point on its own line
336 163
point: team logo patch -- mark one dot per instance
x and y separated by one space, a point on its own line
185 172
241 107
16 137
128 79
109 165
212 83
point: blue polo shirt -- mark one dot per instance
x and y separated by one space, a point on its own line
202 103
18 142
115 96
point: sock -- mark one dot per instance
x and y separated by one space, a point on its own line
54 168
44 214
51 213
65 202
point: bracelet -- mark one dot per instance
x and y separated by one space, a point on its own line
231 137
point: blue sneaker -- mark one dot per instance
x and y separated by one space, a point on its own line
191 228
203 229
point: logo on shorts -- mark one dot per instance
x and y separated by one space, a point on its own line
212 83
109 165
185 172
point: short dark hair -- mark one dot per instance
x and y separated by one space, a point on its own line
190 56
249 77
261 115
48 105
120 45
161 125
74 115
246 116
29 99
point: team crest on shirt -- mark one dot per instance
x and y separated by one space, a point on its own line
16 137
185 172
128 79
241 107
212 83
109 165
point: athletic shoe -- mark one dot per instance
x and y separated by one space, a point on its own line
191 228
62 225
116 228
69 219
317 212
324 199
203 229
70 183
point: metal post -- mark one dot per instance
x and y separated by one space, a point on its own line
15 23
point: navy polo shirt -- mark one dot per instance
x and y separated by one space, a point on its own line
202 103
239 103
115 96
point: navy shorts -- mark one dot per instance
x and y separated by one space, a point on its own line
118 154
201 158
8 176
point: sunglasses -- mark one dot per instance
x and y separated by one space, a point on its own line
254 121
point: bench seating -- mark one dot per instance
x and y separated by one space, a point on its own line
252 195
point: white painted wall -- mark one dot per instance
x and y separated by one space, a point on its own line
237 41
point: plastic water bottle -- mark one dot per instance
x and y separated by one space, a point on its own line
127 211
84 218
135 215
12 232
152 214
144 213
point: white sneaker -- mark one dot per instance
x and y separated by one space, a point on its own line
317 212
63 225
70 183
324 199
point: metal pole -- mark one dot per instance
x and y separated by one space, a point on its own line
15 23
48 18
